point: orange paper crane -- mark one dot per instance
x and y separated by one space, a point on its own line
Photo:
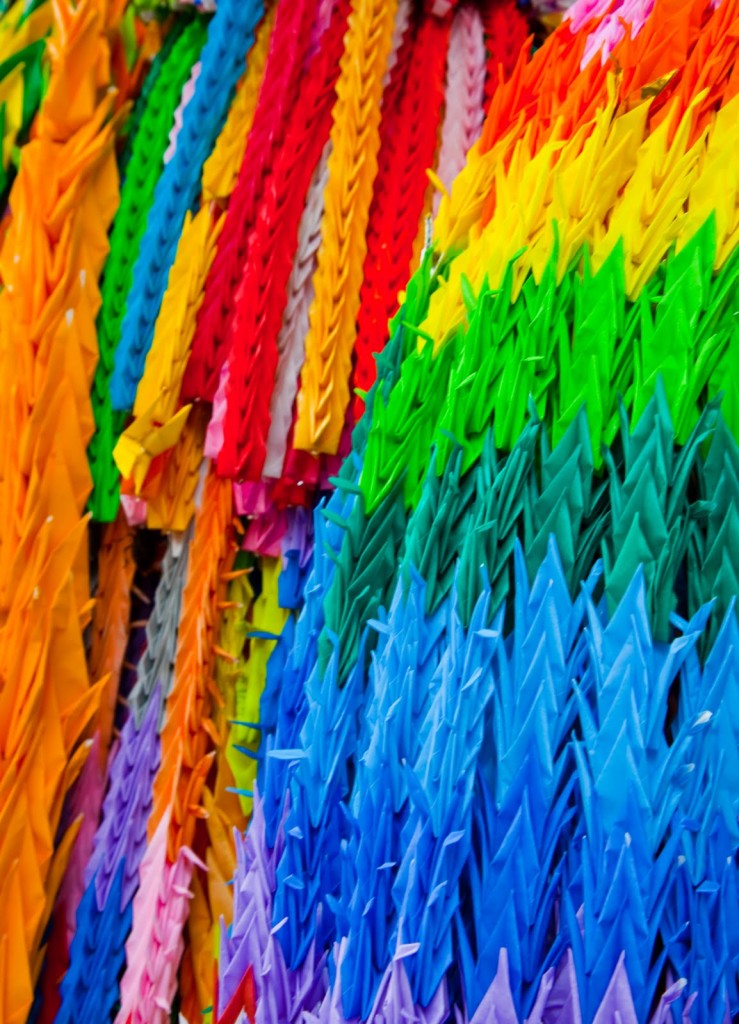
110 625
62 203
188 732
213 899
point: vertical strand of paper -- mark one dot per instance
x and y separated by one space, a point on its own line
261 295
231 35
110 632
221 169
62 203
90 988
295 322
112 637
110 621
213 898
403 17
220 175
355 139
265 620
158 420
288 45
188 731
155 945
187 740
162 92
463 96
299 472
409 132
264 627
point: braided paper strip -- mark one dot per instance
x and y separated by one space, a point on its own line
409 137
295 322
262 291
464 94
288 45
230 37
324 385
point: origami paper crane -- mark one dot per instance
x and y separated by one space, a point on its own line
393 348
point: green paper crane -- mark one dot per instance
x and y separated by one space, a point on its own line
651 508
561 345
713 566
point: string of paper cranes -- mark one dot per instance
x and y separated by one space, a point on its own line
369 512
